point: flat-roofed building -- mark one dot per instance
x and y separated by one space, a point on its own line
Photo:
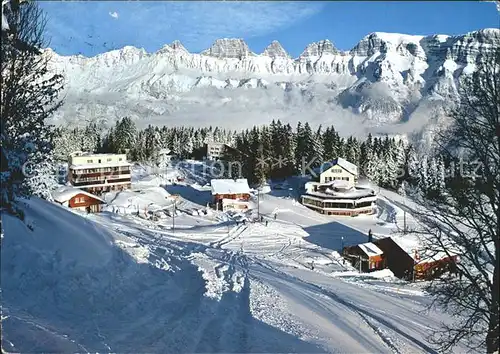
99 173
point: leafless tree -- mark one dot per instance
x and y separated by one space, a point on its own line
463 218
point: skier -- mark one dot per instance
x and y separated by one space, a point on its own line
266 222
243 221
370 235
275 216
261 218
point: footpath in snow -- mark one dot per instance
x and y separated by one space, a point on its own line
121 282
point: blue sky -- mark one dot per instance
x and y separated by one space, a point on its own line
92 27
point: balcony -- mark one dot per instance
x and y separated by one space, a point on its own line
80 183
104 171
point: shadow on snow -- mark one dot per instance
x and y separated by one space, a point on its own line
330 236
126 306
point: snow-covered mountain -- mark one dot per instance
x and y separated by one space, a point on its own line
386 78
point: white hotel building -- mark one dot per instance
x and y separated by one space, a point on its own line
99 173
336 193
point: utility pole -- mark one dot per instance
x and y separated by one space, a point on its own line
258 203
173 217
404 221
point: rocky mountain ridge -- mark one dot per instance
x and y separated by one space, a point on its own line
383 80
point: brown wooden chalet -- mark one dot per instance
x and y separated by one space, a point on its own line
235 189
366 257
76 198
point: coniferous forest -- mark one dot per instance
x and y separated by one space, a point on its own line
274 151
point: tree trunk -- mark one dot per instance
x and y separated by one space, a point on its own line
493 328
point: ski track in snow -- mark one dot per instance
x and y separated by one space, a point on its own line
212 286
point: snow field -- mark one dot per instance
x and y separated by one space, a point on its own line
117 282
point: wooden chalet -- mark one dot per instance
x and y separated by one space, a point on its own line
396 258
404 262
434 266
367 257
76 198
229 189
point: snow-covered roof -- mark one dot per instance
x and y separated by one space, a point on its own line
92 154
352 193
346 165
99 165
65 193
370 249
333 199
230 186
339 161
411 243
338 184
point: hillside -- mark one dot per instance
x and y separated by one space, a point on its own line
386 79
116 282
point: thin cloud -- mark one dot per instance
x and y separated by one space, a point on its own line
150 25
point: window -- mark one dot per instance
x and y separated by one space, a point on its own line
120 159
109 159
89 161
79 200
99 161
345 178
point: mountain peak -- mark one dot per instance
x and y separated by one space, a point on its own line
228 48
275 50
382 42
177 45
319 48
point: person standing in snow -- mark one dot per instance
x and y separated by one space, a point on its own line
370 235
266 222
275 216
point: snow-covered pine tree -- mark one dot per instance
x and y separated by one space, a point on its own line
299 146
434 181
42 178
152 144
29 96
289 141
309 145
65 142
124 135
265 153
91 138
329 144
318 144
371 168
423 177
388 169
412 166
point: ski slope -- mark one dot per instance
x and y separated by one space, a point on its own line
114 282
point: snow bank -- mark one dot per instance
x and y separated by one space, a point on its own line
57 233
130 201
378 274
